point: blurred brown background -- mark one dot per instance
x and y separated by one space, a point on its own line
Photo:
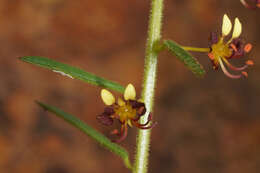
204 125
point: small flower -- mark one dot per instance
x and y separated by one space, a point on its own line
252 4
221 50
127 110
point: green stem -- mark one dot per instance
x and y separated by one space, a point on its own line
154 35
196 49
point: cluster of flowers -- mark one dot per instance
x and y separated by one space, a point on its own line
128 110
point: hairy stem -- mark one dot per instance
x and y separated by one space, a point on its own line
154 35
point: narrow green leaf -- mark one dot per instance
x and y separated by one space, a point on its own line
73 72
100 138
184 56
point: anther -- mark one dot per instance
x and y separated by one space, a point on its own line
244 73
248 47
250 62
211 56
233 47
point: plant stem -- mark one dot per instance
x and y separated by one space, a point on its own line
154 35
196 49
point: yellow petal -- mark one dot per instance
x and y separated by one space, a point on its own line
107 97
226 25
140 100
120 102
129 92
237 29
129 123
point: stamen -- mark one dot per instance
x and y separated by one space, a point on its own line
250 6
211 56
147 127
244 73
233 67
226 72
123 134
147 122
250 62
115 132
129 123
244 3
248 47
233 47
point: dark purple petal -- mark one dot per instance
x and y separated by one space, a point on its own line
213 38
237 42
105 120
109 110
237 54
135 104
237 46
141 111
139 106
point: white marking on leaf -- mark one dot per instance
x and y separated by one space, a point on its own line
63 74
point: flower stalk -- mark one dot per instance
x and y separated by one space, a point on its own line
196 49
150 69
